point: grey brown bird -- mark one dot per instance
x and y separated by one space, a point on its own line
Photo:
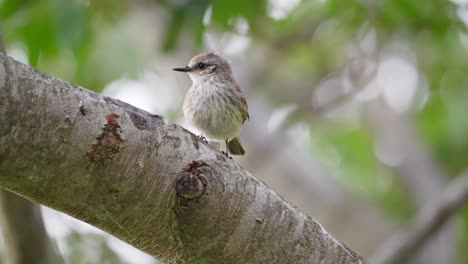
214 104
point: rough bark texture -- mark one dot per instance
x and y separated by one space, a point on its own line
26 239
144 180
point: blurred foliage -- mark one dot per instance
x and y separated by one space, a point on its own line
81 41
463 237
188 15
351 153
64 38
89 249
46 29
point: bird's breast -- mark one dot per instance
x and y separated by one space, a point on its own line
210 110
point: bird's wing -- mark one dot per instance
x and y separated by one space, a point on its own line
245 110
243 104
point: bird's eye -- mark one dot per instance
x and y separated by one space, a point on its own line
201 65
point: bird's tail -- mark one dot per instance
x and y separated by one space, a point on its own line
235 147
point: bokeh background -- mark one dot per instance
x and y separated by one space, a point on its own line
358 108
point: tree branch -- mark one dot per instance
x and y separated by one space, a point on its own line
431 218
26 239
144 180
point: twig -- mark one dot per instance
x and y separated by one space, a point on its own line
431 218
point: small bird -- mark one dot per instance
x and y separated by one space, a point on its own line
214 104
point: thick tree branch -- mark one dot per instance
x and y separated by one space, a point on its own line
431 218
26 239
144 180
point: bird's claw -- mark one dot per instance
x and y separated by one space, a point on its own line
226 154
202 138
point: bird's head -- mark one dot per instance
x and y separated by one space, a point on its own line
206 65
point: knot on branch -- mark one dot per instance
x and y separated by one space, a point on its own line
191 184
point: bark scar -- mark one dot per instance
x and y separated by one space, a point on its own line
195 164
108 143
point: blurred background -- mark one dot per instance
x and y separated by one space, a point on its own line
358 108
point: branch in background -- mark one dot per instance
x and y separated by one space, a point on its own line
403 245
26 239
144 180
418 172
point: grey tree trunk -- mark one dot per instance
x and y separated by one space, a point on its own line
144 180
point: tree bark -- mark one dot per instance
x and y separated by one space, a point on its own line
26 239
144 180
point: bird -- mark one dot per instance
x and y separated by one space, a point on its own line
215 104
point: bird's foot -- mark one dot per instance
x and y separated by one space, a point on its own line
203 138
226 154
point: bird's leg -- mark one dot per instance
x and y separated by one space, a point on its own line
202 138
226 153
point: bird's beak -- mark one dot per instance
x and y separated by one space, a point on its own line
183 69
